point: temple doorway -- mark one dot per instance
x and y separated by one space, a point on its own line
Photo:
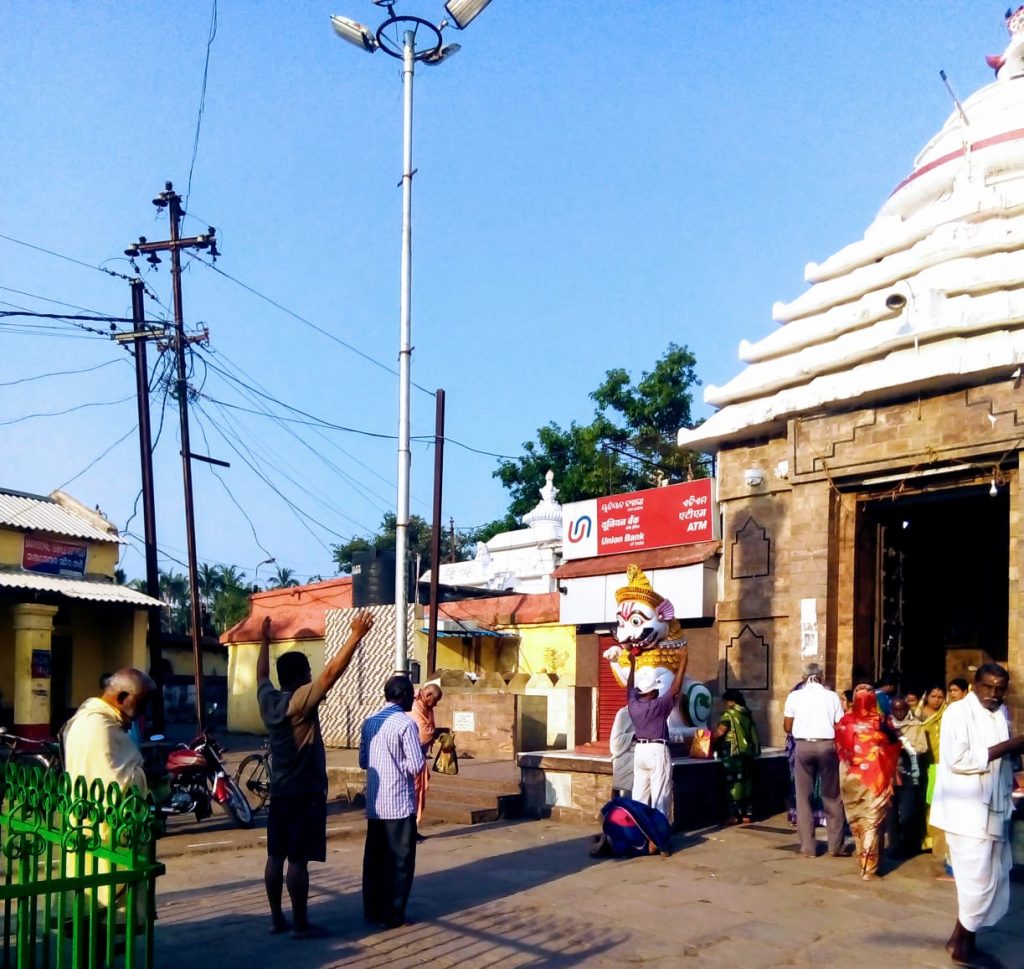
932 585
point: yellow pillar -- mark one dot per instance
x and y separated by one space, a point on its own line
33 625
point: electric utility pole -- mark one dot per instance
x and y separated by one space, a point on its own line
170 200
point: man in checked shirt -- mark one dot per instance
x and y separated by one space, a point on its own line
390 753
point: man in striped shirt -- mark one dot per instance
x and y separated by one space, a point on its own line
389 752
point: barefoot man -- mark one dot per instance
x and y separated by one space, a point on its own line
973 803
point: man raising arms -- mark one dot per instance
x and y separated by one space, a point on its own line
297 823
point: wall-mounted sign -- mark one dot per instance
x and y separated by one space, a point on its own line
40 664
679 514
463 721
53 558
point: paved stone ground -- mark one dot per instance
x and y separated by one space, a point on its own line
528 894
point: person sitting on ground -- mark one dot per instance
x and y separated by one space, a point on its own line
630 829
738 743
422 714
297 819
868 750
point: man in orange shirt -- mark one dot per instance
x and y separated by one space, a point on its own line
422 713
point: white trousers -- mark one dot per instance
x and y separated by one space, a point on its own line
652 776
981 870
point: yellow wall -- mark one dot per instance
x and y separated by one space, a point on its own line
103 641
243 710
11 546
547 648
101 557
6 657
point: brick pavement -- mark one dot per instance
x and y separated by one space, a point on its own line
528 894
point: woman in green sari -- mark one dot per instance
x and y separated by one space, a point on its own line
738 745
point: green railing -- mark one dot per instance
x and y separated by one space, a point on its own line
78 872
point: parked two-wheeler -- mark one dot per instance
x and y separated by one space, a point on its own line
197 776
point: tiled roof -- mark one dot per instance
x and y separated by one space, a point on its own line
36 513
654 558
296 612
91 589
517 610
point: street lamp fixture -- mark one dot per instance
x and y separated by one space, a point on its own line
408 39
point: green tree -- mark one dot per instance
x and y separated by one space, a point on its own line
418 539
175 594
283 578
629 445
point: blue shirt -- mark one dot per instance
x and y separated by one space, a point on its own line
389 752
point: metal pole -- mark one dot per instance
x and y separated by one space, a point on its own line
148 498
404 380
435 535
174 210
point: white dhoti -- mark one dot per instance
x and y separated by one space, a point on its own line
981 870
652 776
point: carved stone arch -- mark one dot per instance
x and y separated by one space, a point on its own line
750 554
748 661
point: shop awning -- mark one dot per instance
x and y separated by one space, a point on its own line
93 590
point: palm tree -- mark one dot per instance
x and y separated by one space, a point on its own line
284 578
210 580
174 591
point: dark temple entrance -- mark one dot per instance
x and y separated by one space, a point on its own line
932 581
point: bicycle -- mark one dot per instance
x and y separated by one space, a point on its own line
253 777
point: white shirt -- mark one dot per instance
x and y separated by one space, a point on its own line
972 796
815 712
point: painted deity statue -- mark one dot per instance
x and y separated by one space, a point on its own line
648 628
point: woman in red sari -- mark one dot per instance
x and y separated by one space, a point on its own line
869 751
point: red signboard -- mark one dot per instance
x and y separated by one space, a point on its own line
680 514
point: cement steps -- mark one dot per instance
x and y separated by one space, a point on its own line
475 797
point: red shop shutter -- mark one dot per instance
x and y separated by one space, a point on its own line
610 696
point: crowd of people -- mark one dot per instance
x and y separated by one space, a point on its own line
929 772
900 773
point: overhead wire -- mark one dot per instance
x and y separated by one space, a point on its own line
302 319
68 410
61 373
96 460
202 97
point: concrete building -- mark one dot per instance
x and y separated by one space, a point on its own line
869 453
63 619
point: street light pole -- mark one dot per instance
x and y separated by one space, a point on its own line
432 51
404 366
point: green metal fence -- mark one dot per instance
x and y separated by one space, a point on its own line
78 871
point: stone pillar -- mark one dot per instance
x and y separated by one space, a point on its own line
33 625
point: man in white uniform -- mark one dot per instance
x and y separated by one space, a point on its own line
973 803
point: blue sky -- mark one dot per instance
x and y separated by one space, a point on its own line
595 180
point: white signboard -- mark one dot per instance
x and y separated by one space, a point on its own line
809 628
463 721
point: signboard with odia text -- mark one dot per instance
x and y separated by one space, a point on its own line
53 558
679 514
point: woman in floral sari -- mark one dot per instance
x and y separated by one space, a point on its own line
738 745
869 751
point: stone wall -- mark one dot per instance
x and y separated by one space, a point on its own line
794 547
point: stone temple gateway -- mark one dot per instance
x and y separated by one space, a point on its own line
869 453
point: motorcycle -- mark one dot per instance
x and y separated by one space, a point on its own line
196 776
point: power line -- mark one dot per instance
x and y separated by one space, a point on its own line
60 255
62 373
99 457
69 410
319 329
202 97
